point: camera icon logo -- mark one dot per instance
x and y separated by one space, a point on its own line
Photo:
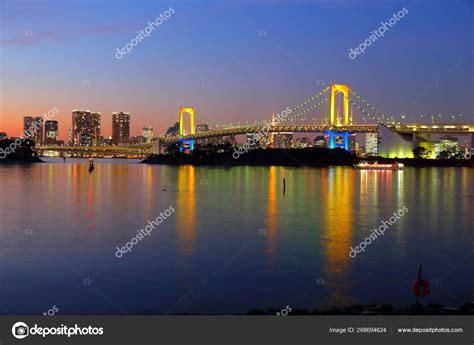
20 330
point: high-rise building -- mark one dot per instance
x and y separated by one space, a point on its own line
147 134
51 132
85 128
282 140
95 136
70 140
120 128
33 128
371 144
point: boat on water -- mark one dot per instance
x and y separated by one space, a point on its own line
378 166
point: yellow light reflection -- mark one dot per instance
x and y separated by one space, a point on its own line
272 209
186 209
338 220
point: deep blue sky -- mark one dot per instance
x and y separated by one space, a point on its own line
209 55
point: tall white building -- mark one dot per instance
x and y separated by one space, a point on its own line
371 144
147 134
69 136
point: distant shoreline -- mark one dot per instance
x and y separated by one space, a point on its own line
310 157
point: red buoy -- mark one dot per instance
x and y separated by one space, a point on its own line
421 288
91 166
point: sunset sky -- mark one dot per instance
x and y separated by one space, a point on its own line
210 55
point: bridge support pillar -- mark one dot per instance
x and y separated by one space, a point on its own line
186 145
338 139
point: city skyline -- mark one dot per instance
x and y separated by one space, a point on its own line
47 132
394 139
252 54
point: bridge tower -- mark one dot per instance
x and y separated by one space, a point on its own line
186 144
183 111
336 89
340 139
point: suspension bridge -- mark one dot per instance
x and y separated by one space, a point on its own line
337 111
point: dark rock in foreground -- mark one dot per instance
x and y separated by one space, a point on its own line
357 309
383 309
18 151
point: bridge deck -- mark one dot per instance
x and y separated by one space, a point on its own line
405 128
274 129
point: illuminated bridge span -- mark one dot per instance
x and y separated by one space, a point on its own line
409 128
273 129
336 118
433 129
125 150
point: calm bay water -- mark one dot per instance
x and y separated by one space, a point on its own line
236 242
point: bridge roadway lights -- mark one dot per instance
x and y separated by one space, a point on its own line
338 139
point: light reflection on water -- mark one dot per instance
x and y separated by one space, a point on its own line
210 249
